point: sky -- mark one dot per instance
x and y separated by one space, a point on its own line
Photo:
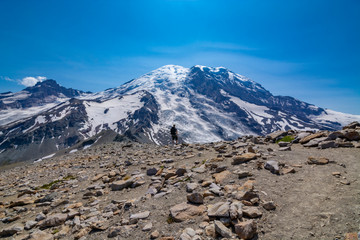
305 49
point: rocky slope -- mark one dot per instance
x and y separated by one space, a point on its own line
287 185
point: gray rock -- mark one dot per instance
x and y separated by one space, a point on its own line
141 215
273 166
222 230
190 187
30 224
328 144
315 142
220 209
119 185
283 144
9 231
288 148
269 205
235 210
40 217
53 220
151 171
147 227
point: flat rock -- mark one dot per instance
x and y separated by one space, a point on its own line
318 160
222 230
185 211
30 224
352 136
328 144
9 231
221 177
287 148
220 209
141 215
243 158
41 235
311 137
119 185
315 142
53 220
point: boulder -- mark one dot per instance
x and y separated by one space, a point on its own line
246 230
352 136
352 125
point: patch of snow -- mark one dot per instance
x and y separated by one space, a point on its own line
73 151
333 116
118 108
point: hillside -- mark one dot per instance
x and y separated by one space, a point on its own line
249 188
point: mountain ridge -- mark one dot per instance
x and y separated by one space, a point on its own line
206 104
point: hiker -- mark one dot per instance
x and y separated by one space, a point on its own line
174 134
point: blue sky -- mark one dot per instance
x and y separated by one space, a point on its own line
305 49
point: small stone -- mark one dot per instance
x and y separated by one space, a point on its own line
155 234
30 224
246 230
141 215
345 182
222 229
288 148
151 171
328 144
243 174
269 205
288 169
180 172
273 166
147 227
318 160
190 187
196 198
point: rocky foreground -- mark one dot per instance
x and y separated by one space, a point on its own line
287 185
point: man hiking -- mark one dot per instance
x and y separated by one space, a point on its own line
174 134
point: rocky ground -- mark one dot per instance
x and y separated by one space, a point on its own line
249 188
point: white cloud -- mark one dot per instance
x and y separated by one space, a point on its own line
31 81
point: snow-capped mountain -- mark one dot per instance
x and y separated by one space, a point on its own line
32 100
206 104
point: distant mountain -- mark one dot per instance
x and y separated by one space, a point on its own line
44 95
206 104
